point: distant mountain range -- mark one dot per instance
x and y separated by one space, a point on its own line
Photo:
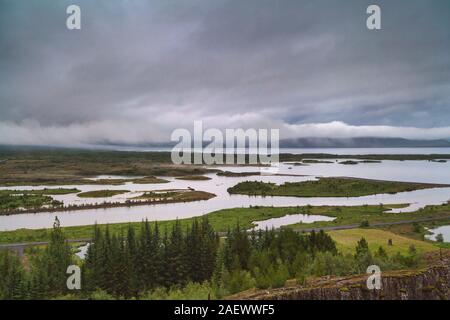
316 142
362 142
311 142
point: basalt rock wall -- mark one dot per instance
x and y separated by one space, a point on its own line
432 283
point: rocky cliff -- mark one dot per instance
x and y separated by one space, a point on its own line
432 283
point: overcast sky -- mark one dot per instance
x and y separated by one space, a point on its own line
139 69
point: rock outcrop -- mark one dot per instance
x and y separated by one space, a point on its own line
432 283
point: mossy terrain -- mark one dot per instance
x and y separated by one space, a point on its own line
327 187
101 193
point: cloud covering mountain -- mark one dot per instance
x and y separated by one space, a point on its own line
139 69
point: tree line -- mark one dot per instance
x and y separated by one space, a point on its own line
182 263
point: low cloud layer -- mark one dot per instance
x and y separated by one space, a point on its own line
122 133
139 69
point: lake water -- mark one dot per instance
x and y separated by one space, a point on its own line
289 219
82 251
444 230
412 171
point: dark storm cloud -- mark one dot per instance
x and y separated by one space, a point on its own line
138 69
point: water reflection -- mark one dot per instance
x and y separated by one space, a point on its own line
289 219
417 171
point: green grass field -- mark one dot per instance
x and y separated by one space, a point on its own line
347 239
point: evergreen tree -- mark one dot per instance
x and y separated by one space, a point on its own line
239 247
362 247
12 280
363 256
131 257
50 268
176 257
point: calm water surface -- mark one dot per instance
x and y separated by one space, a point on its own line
412 171
444 230
290 219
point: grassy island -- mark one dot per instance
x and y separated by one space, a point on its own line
168 196
193 178
314 161
12 200
238 174
328 187
101 193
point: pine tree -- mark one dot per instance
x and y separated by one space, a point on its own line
131 257
239 246
362 247
363 256
12 278
176 257
51 267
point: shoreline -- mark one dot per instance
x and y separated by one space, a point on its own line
207 196
346 217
